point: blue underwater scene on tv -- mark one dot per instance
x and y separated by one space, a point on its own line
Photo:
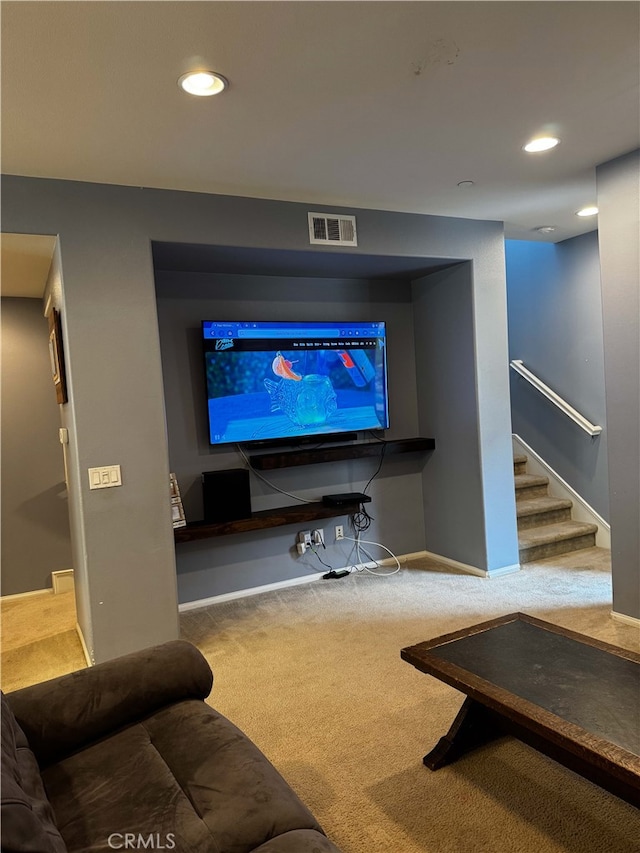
279 380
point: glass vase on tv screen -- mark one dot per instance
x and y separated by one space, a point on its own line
277 380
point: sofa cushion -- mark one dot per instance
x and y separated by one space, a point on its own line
28 824
184 775
64 714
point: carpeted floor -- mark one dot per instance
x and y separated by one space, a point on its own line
39 639
313 675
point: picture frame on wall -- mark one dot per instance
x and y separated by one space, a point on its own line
56 354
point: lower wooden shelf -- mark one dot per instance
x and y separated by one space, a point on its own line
304 512
262 520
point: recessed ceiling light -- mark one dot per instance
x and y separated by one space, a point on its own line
587 211
202 83
545 229
541 143
465 185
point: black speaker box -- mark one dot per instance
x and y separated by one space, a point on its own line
226 495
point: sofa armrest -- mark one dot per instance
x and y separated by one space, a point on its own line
64 714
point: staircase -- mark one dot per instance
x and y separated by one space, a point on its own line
545 526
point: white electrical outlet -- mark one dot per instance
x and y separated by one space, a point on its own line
339 532
318 536
305 537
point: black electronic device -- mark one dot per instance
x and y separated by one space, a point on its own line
345 498
226 495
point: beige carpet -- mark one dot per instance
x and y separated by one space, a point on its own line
313 674
39 639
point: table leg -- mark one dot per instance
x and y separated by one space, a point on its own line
471 728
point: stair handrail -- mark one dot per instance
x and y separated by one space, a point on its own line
550 394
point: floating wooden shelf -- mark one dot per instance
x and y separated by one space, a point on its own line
262 520
337 453
301 513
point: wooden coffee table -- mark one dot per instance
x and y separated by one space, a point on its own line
575 699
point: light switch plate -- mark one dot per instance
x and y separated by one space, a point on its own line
105 478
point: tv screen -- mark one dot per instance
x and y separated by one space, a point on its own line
273 380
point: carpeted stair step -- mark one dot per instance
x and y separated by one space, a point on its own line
519 464
553 539
530 486
537 511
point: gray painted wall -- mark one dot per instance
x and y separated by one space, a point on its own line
35 517
445 358
555 327
448 402
618 184
250 560
123 538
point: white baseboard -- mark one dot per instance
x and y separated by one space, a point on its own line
243 593
270 587
622 617
63 581
455 564
504 570
473 570
85 650
581 510
413 555
27 594
387 561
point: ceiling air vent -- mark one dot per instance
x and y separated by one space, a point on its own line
332 230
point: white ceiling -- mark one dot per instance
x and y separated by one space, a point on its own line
382 105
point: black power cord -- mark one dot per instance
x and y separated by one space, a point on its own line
383 450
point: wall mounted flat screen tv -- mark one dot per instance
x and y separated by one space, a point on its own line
275 380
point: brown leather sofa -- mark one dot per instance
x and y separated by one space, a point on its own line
127 755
